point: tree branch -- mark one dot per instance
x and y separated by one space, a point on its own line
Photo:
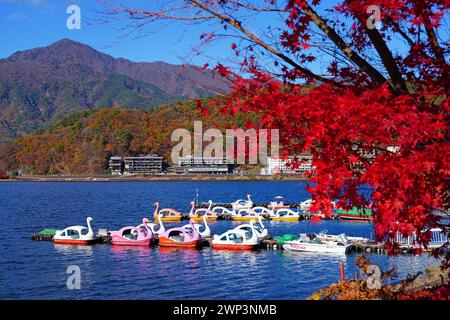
378 42
238 25
373 73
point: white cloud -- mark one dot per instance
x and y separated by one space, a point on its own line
16 16
27 2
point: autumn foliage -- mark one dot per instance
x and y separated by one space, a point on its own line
83 142
432 286
377 113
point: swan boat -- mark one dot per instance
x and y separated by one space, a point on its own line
242 204
223 212
205 233
261 231
236 239
197 215
78 235
285 214
309 242
141 235
245 215
305 205
181 237
262 211
167 214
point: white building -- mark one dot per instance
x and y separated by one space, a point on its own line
205 165
285 166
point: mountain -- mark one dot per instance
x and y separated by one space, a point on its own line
41 85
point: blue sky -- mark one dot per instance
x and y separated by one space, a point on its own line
26 24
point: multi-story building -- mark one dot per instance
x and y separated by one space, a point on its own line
116 166
286 166
205 165
141 165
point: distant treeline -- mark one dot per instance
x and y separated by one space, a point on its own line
82 143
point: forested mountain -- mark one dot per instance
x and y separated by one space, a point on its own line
42 85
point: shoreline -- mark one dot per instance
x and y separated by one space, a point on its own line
169 178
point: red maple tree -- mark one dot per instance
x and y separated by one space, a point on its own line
364 88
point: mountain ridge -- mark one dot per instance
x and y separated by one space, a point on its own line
43 84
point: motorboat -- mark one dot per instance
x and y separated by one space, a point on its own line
245 215
133 236
278 204
167 214
78 235
306 205
181 237
204 230
310 242
323 235
198 214
356 213
237 239
285 215
259 227
242 204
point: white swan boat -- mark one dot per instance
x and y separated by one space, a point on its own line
156 227
203 230
78 235
263 211
260 228
237 239
309 242
305 205
245 215
242 204
285 215
223 212
196 215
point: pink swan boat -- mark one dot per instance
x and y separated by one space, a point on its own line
167 214
197 215
133 236
181 237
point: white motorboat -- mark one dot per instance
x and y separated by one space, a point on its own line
310 242
323 235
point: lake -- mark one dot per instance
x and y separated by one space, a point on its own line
37 270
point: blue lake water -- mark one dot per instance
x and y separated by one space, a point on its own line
37 270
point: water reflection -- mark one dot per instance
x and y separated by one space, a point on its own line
68 249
